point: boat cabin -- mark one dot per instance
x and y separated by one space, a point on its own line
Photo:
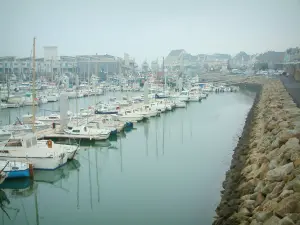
25 141
54 117
184 93
93 125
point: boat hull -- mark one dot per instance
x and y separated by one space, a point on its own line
4 137
17 174
106 112
40 163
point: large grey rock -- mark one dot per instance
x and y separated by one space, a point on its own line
273 164
296 185
254 222
279 173
286 221
294 216
249 204
285 135
244 212
268 188
263 216
275 143
260 186
283 124
285 193
274 220
291 204
292 145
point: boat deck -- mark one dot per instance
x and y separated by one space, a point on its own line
54 133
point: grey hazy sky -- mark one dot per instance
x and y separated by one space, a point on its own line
148 29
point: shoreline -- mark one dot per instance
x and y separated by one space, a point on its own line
264 173
229 197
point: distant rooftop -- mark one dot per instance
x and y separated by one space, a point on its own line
176 52
271 56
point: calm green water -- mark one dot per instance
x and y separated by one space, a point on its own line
168 170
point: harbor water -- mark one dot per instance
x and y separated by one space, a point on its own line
167 170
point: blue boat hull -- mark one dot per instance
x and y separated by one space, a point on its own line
128 125
114 132
17 174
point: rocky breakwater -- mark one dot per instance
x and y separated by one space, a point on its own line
263 183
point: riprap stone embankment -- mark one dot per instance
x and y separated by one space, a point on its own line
263 183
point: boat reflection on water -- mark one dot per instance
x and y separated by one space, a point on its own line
23 188
21 183
116 137
53 176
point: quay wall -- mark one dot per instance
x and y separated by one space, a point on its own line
262 186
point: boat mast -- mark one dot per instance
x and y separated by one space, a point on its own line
52 70
36 208
163 68
33 86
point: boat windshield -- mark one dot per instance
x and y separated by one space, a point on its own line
14 143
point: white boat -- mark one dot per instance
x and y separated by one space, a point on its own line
158 107
194 97
106 109
4 135
29 102
12 105
180 104
145 112
151 111
184 96
3 105
85 112
165 103
106 121
52 97
99 125
129 116
70 93
17 127
87 132
203 95
70 150
43 100
42 155
52 118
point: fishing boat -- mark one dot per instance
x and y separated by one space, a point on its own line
15 169
42 155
